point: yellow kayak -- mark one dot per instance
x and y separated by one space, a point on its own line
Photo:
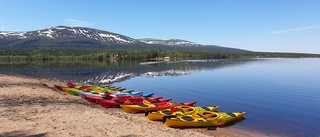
178 110
204 119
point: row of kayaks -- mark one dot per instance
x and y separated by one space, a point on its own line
156 108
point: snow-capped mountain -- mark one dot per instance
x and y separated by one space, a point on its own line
63 32
64 37
170 42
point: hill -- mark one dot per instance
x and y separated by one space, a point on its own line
63 37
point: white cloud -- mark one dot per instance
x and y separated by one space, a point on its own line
295 29
78 23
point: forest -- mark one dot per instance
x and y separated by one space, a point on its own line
132 54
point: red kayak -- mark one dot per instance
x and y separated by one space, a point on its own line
95 99
72 85
60 87
139 100
130 101
148 106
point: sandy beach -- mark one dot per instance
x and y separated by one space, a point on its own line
33 107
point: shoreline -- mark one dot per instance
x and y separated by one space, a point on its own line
33 107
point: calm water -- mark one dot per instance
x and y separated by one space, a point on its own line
281 96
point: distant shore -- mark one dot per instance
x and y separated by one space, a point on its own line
33 107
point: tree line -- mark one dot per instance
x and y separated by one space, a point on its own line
132 54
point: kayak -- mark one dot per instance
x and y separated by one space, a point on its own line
178 111
118 93
108 94
67 90
136 95
78 92
88 87
115 102
98 98
81 86
127 91
147 106
60 86
85 93
110 89
74 91
204 119
103 89
139 99
68 85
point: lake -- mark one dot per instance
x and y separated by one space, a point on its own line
281 96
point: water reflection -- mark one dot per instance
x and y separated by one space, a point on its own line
108 72
281 96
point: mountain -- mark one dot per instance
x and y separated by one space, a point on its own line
177 43
62 37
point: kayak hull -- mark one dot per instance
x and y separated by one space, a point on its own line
112 103
208 119
93 99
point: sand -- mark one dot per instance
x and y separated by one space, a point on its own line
33 107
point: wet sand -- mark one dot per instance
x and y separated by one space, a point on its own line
33 107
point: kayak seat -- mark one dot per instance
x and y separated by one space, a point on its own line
206 108
143 105
187 118
118 101
198 115
186 109
207 115
210 116
107 98
190 109
181 110
231 114
130 99
167 112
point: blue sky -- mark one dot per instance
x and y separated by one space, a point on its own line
257 25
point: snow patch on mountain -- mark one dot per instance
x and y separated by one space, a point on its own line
16 35
170 42
114 37
3 33
60 28
47 33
